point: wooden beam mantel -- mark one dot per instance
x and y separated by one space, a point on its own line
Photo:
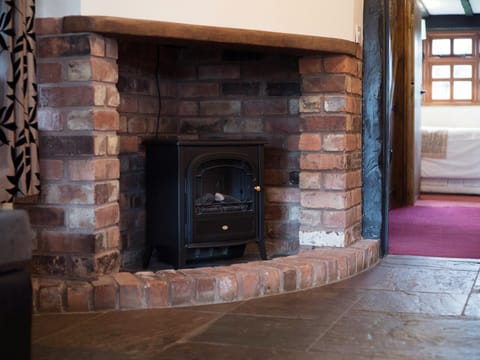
173 33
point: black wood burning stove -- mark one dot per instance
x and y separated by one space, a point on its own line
204 199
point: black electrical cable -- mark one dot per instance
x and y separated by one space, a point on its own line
159 95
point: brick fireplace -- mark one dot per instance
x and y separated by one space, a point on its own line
101 96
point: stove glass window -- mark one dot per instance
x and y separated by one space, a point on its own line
224 185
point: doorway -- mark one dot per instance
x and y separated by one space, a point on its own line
405 221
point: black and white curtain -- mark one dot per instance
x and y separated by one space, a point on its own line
19 167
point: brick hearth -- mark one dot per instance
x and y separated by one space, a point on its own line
207 285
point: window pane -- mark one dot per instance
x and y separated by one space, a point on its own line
462 90
462 46
441 47
462 71
440 90
440 71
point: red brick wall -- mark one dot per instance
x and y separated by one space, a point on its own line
76 218
330 179
139 105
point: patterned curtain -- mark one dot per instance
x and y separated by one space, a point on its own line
19 167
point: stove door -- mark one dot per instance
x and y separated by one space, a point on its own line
223 202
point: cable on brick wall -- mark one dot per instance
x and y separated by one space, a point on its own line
159 95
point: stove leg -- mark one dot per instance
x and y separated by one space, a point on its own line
262 249
147 255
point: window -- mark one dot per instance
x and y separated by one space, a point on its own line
451 68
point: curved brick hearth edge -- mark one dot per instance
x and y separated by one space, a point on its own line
207 285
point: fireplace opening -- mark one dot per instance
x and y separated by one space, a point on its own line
204 199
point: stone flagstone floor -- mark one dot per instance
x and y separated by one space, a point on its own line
404 308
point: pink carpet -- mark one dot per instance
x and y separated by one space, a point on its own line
451 229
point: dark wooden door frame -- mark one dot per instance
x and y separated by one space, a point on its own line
376 128
387 98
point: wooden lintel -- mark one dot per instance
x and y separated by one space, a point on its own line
185 33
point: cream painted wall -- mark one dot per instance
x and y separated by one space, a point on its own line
451 116
340 19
